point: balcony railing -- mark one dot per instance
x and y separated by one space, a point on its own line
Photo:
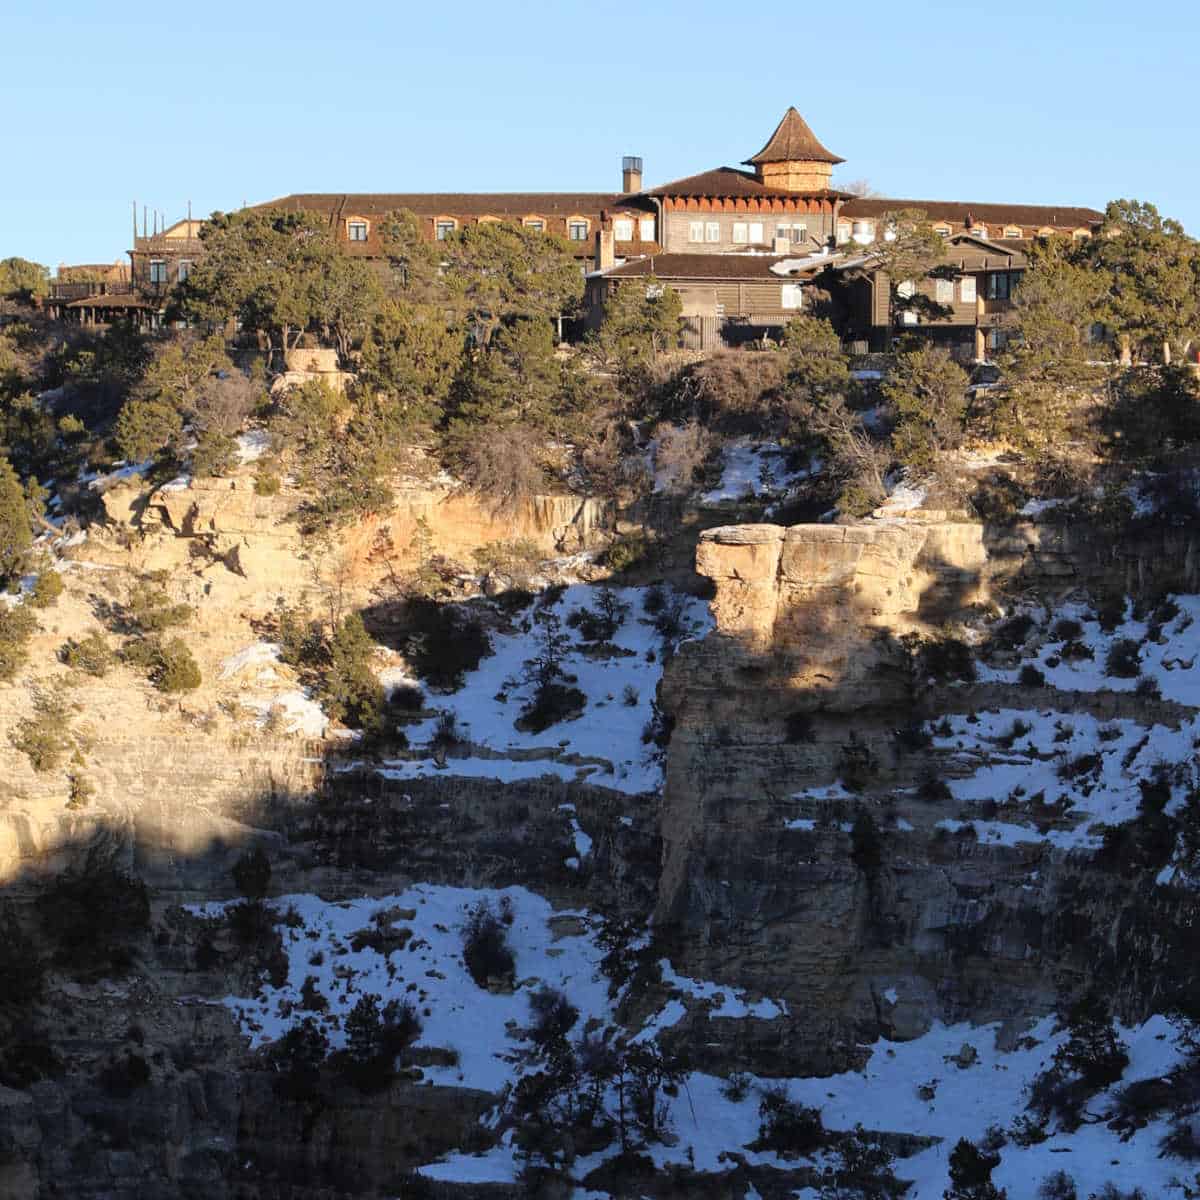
158 244
79 291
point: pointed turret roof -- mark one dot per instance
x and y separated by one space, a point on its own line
793 141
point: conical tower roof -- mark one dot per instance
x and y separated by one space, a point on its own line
793 141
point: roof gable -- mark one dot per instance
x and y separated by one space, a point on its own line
793 141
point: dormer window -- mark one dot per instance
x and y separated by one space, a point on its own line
536 224
444 227
356 229
979 231
577 229
942 230
1080 235
1013 231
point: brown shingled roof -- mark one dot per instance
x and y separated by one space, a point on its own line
704 266
434 204
793 141
728 181
959 213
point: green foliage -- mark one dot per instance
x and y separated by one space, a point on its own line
21 967
910 252
82 792
297 1058
46 588
1092 1049
497 271
601 623
786 1126
341 451
486 952
641 322
443 642
93 918
16 533
349 690
927 388
626 551
17 625
281 274
147 426
175 670
22 278
971 1173
375 1035
412 355
148 609
1151 271
252 873
817 370
414 264
553 698
44 737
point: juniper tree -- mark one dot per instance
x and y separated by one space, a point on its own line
16 532
927 388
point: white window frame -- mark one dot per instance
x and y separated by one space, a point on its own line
968 289
943 291
943 230
647 229
712 232
979 231
791 296
184 269
536 224
1011 231
355 224
623 229
443 227
158 270
756 233
574 224
695 231
741 233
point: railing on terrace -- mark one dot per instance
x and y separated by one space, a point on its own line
158 244
78 291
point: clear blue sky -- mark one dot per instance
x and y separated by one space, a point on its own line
1057 101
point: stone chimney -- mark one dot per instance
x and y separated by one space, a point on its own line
605 251
631 174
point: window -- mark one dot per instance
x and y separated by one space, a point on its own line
695 231
791 295
577 230
623 229
756 233
535 223
740 233
998 285
843 232
943 291
906 290
445 226
796 233
654 291
356 231
1013 231
185 269
1080 235
712 231
158 271
966 289
646 229
942 230
980 231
